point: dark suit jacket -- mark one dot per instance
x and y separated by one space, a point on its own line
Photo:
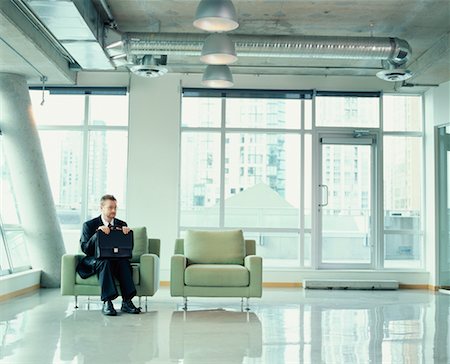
86 266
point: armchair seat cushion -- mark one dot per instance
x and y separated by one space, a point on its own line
93 280
216 275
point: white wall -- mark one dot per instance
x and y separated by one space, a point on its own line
12 284
153 155
152 190
441 103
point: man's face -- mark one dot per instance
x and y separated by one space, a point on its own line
108 209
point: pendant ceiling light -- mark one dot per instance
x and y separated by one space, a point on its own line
218 49
216 16
217 76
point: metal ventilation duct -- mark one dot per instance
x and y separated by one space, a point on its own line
396 51
77 26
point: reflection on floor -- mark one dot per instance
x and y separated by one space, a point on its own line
285 326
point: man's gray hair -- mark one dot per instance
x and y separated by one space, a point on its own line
107 197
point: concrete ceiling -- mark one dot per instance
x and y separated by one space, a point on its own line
425 24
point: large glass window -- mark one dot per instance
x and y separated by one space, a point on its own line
107 165
200 173
402 113
13 250
60 110
253 163
111 110
347 111
249 179
201 112
402 201
84 139
262 180
63 154
263 113
403 175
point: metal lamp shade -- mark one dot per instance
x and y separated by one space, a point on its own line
217 76
216 16
218 49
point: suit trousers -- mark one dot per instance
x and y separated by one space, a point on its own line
107 270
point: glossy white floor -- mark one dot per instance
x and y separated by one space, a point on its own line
285 326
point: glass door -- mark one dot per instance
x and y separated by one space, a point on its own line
443 171
346 201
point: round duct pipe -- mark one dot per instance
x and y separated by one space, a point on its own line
395 50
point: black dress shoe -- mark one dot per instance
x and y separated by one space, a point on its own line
108 309
129 307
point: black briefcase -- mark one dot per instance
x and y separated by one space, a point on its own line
114 245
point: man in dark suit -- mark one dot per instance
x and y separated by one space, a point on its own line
107 269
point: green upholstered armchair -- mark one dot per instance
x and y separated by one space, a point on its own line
144 262
215 264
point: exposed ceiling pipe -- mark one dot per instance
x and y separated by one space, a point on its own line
394 50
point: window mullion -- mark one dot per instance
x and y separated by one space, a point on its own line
85 169
379 240
222 164
6 247
302 185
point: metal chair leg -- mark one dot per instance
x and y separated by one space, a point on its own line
76 302
247 306
185 304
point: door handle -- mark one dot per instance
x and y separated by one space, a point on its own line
326 194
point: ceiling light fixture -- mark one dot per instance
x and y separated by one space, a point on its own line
216 16
218 76
218 49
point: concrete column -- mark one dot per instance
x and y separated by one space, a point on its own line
29 178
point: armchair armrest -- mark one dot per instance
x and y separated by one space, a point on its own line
149 274
177 267
254 264
68 271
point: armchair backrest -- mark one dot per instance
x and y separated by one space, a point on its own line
154 246
250 247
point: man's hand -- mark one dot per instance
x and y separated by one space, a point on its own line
105 229
126 230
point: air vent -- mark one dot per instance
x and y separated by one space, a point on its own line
349 284
150 66
393 75
149 71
